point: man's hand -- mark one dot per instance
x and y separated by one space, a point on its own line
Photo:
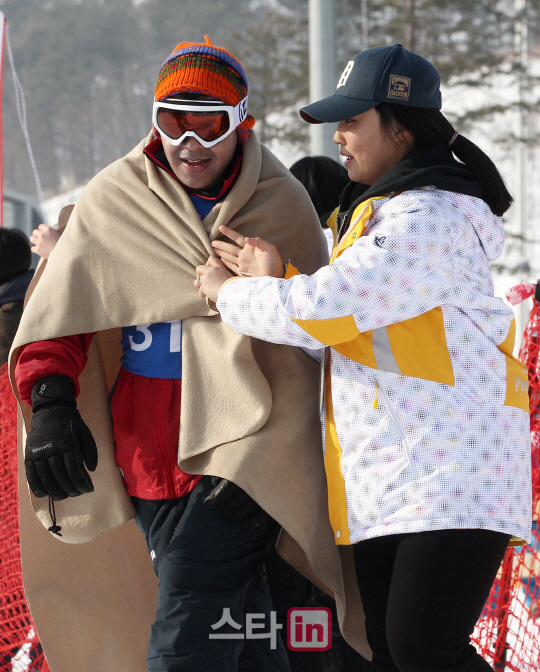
44 239
59 444
210 277
254 257
234 503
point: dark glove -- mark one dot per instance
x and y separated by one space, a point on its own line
234 503
59 444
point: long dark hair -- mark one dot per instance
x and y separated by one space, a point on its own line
324 179
431 127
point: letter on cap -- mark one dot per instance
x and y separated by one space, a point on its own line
346 73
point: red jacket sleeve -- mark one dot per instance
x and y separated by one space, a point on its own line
66 355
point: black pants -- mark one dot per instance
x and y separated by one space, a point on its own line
288 589
205 565
423 594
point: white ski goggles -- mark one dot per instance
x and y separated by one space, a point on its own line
208 121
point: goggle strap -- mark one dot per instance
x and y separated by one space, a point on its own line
240 112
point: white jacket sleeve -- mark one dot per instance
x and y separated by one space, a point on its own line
401 268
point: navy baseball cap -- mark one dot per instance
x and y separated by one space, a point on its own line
379 75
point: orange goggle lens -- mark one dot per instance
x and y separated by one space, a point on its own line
207 125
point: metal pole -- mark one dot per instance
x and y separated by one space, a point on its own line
411 25
522 58
344 55
322 70
365 25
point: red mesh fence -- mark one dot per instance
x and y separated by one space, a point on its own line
508 633
20 650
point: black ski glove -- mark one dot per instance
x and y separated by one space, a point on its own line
234 503
59 444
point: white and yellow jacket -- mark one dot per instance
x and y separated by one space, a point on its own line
425 419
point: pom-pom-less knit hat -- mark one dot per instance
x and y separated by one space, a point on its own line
204 68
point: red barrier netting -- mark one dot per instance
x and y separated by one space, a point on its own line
20 650
508 633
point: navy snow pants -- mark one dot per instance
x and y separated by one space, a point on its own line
205 564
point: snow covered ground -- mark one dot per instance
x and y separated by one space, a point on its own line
52 206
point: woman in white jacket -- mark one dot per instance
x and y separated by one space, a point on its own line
425 420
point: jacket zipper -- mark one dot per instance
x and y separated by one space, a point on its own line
397 423
343 229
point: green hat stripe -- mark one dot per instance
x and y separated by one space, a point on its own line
194 61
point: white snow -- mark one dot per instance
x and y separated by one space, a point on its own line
52 206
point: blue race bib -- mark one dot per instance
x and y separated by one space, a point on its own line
153 350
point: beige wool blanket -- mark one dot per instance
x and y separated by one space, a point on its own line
249 412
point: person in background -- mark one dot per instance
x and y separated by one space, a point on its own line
15 276
44 240
324 179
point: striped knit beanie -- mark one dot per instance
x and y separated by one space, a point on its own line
203 68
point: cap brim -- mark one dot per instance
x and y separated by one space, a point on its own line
335 108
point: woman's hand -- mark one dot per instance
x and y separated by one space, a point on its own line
254 257
210 277
44 239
